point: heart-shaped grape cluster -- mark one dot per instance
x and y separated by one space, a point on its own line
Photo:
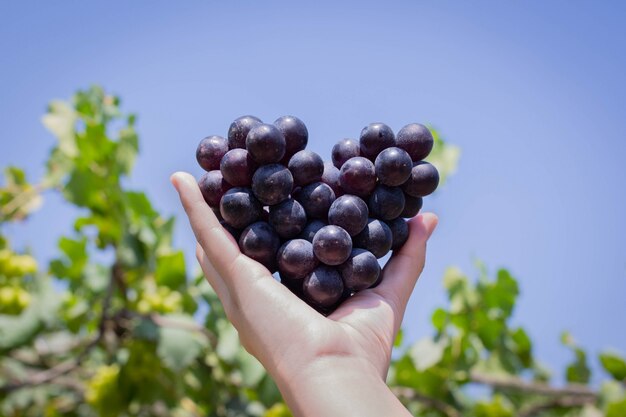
322 226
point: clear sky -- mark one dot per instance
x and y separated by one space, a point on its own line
533 92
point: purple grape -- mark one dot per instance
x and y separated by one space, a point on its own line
210 152
237 167
240 208
295 133
260 242
358 176
399 232
350 213
239 130
288 218
266 144
323 287
412 206
386 203
332 245
235 233
216 211
311 229
272 184
393 166
344 150
416 139
296 259
376 137
423 180
306 167
360 271
376 238
331 178
213 186
316 199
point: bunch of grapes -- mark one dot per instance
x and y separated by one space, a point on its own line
321 225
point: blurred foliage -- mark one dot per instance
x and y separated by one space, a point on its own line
141 336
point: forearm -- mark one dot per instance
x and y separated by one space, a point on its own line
339 386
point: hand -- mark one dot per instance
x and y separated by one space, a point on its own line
310 355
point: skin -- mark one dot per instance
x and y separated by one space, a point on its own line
332 366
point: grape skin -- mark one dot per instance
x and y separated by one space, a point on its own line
393 166
296 259
260 242
360 271
237 167
416 139
210 152
323 287
386 203
350 213
423 180
316 199
374 138
272 184
344 150
295 133
239 207
306 167
358 176
266 144
311 229
412 206
288 218
399 232
376 238
239 129
213 186
330 176
332 245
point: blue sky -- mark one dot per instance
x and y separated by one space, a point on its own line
533 92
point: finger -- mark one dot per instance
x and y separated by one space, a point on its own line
211 275
404 267
219 248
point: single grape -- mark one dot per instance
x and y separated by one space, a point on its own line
272 184
210 152
360 271
358 176
239 207
239 130
376 238
266 144
295 133
213 186
423 180
323 287
393 166
306 167
376 137
386 203
316 199
416 139
260 242
288 218
311 229
399 232
296 259
331 178
237 167
332 245
344 150
350 213
412 206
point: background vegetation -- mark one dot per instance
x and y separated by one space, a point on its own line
117 325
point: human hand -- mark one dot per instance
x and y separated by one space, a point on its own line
299 347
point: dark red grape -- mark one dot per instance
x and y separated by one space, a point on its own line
358 176
416 139
239 130
213 186
376 238
423 180
237 167
376 137
331 178
399 232
311 229
272 184
386 203
412 206
296 259
210 152
260 242
350 213
239 207
295 133
316 199
344 150
360 271
393 166
323 287
288 218
266 144
332 245
306 167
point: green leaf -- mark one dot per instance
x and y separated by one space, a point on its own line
170 270
427 353
498 407
444 157
614 364
616 409
439 318
61 121
126 150
228 341
178 347
399 338
578 371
